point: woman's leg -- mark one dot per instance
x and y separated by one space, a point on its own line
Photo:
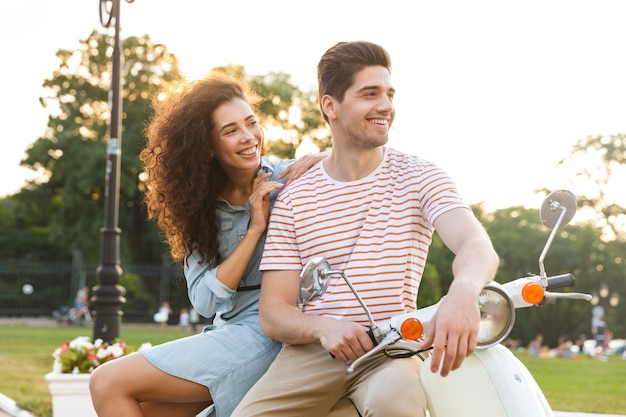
131 386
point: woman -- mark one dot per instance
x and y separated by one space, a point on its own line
211 192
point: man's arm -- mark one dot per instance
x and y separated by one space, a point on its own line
454 327
282 320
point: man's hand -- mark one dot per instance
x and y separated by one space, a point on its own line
453 332
345 340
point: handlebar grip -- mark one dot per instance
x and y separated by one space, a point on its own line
370 333
560 281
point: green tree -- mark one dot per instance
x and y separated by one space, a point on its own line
519 238
20 238
68 203
64 209
599 163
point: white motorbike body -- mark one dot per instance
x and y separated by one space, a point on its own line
490 383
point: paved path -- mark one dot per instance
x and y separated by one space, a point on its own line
9 409
568 414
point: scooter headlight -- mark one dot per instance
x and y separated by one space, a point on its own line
497 315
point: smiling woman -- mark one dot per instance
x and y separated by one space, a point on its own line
211 191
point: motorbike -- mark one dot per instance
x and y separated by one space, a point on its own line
491 381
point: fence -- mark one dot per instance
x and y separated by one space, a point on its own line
35 289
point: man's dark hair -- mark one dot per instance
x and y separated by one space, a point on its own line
339 65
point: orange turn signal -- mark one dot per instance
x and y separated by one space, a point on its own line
533 293
411 329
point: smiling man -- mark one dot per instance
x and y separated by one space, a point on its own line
371 212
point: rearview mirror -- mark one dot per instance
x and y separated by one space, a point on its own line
553 206
314 279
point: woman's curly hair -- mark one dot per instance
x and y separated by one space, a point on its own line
183 181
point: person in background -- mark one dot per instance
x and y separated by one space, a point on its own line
163 315
183 319
194 319
579 343
371 211
211 191
600 336
81 304
564 347
536 347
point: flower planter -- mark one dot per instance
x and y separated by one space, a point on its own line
70 395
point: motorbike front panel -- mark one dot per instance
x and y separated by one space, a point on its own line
490 383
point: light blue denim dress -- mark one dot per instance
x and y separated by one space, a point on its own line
230 355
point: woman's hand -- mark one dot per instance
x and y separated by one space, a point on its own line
260 202
299 167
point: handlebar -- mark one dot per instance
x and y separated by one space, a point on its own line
560 281
522 297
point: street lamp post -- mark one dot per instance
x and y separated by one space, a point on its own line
108 294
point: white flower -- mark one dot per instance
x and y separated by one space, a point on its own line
82 356
81 343
145 346
116 350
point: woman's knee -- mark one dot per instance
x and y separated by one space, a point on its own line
102 380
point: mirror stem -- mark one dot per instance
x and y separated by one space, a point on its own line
358 297
542 271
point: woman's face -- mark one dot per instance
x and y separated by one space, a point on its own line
238 137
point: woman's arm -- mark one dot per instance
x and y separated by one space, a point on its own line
208 289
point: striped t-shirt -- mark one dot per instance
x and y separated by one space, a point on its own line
377 230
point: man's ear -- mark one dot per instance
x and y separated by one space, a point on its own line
328 106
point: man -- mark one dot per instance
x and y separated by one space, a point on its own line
370 211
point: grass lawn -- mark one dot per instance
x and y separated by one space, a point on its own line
26 356
580 384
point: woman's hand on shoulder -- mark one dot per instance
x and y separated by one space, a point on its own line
300 166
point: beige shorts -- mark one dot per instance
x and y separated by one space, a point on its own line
304 380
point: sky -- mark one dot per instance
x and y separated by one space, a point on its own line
495 92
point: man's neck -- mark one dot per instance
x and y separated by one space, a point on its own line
353 166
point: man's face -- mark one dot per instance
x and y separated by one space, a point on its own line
367 111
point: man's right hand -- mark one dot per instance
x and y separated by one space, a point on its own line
345 340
